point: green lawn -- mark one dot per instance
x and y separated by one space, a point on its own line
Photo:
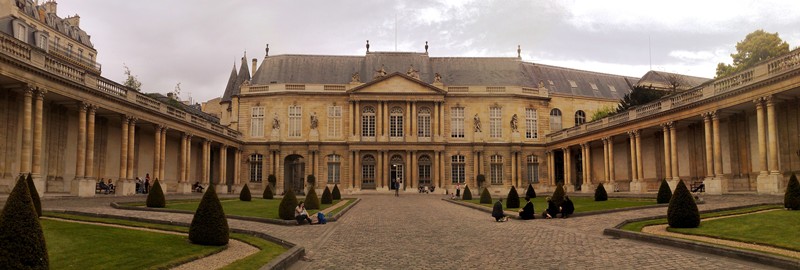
582 204
84 246
775 228
259 208
637 226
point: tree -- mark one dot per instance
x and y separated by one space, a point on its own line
245 194
756 47
131 80
682 211
664 192
22 243
288 203
268 194
209 225
600 194
467 194
335 193
791 200
558 194
530 193
513 198
326 198
155 199
603 112
486 198
312 201
640 95
37 202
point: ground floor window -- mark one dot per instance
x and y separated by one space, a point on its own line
496 170
533 170
424 170
457 172
368 169
334 169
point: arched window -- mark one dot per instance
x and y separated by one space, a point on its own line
396 122
424 164
580 117
334 169
424 122
531 124
256 167
555 120
368 169
533 169
496 169
457 170
368 121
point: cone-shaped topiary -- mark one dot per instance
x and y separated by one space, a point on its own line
272 180
37 202
486 198
268 192
155 199
326 198
245 194
791 200
682 212
530 193
288 203
664 192
22 243
558 194
312 201
467 194
480 179
513 198
209 225
600 194
312 180
335 193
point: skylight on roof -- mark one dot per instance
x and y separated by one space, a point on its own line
573 84
613 89
594 86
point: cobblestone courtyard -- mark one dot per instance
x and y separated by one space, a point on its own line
423 232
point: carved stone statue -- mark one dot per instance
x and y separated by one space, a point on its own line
412 72
356 78
437 78
477 122
541 84
314 120
380 73
276 124
514 123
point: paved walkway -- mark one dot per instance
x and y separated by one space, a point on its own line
420 231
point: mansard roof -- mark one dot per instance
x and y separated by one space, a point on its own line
665 80
39 12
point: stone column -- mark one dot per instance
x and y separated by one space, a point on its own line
587 159
27 137
436 116
413 174
772 136
667 158
379 121
567 165
673 140
189 160
708 145
412 121
639 164
717 145
131 150
157 151
379 168
37 139
437 170
386 119
237 166
89 143
80 160
357 169
715 184
183 185
605 160
123 153
762 136
206 156
407 120
222 185
351 164
162 154
634 175
611 162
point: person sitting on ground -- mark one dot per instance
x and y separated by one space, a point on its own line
567 208
527 211
497 211
552 209
196 187
300 214
321 218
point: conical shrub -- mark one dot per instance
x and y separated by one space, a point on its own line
664 192
512 201
209 225
486 198
530 193
335 193
155 199
558 195
288 203
682 212
791 200
268 194
600 194
326 198
467 194
245 194
37 202
312 200
22 243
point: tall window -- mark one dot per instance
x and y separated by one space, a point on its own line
495 122
496 172
531 124
368 169
257 122
368 122
555 120
396 122
256 167
334 169
21 32
457 172
334 121
424 122
424 170
295 121
533 169
457 122
580 117
41 41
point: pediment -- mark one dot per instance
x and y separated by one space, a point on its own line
397 83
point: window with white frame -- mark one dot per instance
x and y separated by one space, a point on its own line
495 122
256 167
424 165
295 121
555 120
257 122
424 122
368 169
457 171
368 121
531 124
496 169
334 169
41 41
457 122
533 169
396 122
334 121
21 32
580 117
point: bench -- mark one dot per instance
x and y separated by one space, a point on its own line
697 186
426 189
98 189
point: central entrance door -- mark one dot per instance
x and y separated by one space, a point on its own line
293 174
396 171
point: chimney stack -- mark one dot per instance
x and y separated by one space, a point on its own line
253 71
50 6
74 20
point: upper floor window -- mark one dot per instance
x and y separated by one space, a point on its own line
334 121
457 122
496 169
21 31
295 121
257 122
495 122
396 122
531 124
368 121
555 120
41 41
424 122
580 117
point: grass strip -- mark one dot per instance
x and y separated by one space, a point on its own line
638 225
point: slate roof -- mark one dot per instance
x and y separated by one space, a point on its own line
661 79
38 11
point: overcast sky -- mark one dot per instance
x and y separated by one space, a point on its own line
196 42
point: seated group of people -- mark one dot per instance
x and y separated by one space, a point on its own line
301 215
566 209
425 189
527 212
103 187
196 187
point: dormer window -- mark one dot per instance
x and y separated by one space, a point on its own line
21 31
594 86
41 40
573 84
613 89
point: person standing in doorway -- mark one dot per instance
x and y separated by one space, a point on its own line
396 186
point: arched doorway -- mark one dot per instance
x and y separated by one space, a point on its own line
294 173
396 167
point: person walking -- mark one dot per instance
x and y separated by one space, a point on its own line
396 185
458 190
